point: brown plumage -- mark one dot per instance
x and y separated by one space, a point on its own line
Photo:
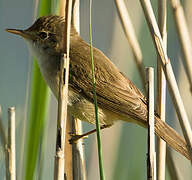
118 98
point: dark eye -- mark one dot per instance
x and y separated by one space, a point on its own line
43 35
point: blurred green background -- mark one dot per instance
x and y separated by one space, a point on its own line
124 144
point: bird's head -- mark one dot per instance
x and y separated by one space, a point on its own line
44 36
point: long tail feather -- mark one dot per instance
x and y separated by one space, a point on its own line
172 138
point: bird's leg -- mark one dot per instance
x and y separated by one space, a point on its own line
76 137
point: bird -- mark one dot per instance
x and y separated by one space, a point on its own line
118 98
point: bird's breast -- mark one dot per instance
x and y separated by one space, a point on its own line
78 105
84 110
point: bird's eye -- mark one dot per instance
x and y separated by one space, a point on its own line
43 35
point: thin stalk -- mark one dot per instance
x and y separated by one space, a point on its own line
151 170
165 62
161 90
184 37
63 98
4 144
62 8
78 153
68 151
76 15
11 143
68 169
77 148
132 39
99 145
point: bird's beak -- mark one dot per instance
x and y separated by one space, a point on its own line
19 32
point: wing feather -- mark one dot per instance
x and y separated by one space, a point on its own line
115 92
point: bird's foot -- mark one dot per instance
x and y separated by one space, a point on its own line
76 137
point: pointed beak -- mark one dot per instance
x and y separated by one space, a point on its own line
19 32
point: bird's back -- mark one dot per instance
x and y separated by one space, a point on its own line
115 92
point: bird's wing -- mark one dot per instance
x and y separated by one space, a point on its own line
114 91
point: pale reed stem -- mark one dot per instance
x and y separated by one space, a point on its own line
77 148
131 37
172 84
63 99
161 90
151 158
184 37
11 143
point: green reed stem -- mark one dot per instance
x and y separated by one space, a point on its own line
99 144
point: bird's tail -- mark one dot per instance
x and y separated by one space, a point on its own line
172 138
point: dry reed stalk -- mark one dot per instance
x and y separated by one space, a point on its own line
68 148
151 130
131 37
4 144
11 143
78 154
68 169
184 37
161 90
62 8
63 98
76 15
165 62
77 148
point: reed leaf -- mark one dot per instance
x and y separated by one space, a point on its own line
38 107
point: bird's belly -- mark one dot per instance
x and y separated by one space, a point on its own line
78 106
84 110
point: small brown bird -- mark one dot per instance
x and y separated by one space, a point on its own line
118 98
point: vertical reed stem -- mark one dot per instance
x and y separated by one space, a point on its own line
131 37
161 89
63 97
151 163
184 37
11 143
77 148
167 68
